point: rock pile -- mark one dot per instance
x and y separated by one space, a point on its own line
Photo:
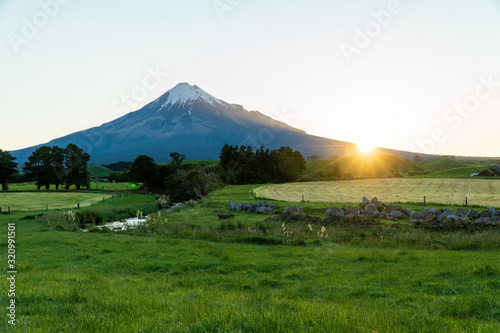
265 207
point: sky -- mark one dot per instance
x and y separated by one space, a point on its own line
421 76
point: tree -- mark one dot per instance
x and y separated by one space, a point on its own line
143 170
59 172
177 158
76 162
39 167
8 168
289 164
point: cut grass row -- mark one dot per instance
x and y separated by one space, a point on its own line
482 192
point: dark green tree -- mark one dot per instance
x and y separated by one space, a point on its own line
58 170
8 168
39 167
177 158
76 162
143 170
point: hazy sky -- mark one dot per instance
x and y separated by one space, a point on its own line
415 75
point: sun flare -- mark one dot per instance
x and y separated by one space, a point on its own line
365 147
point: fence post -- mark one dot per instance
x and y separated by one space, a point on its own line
465 201
46 208
8 212
302 198
425 204
78 206
92 203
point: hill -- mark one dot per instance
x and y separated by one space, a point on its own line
99 171
443 164
364 166
190 121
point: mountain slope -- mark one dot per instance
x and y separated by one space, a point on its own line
188 120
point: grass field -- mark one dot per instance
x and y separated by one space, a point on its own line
99 171
443 164
483 192
37 201
206 275
460 172
101 186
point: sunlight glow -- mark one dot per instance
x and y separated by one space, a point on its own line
365 147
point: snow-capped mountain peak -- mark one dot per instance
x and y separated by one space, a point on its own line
184 92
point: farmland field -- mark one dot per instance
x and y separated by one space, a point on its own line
483 192
55 200
204 275
101 186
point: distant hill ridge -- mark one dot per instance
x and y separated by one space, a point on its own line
188 120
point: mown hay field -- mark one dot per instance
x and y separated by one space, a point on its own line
482 192
34 201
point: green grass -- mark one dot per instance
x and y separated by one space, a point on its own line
101 186
443 164
482 192
206 275
461 172
37 201
362 166
99 171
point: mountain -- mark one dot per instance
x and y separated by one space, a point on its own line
190 121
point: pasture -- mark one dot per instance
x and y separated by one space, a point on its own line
33 201
199 274
94 185
482 192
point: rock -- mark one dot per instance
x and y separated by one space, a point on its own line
436 211
483 220
334 212
293 210
234 206
416 220
472 214
492 211
266 211
252 209
377 203
245 206
370 208
484 213
395 215
444 215
417 215
495 219
451 218
375 214
365 202
407 211
260 204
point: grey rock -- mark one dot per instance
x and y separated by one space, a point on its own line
266 211
492 211
334 212
396 215
375 214
407 211
444 215
484 213
253 208
365 201
370 208
293 210
417 215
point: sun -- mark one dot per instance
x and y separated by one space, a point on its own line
366 147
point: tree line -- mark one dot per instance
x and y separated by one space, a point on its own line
179 179
49 166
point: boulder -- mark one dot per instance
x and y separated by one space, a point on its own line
483 220
364 201
395 215
472 214
252 209
334 212
444 215
492 211
375 214
484 213
451 218
266 211
407 211
370 208
417 215
234 206
292 210
377 203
